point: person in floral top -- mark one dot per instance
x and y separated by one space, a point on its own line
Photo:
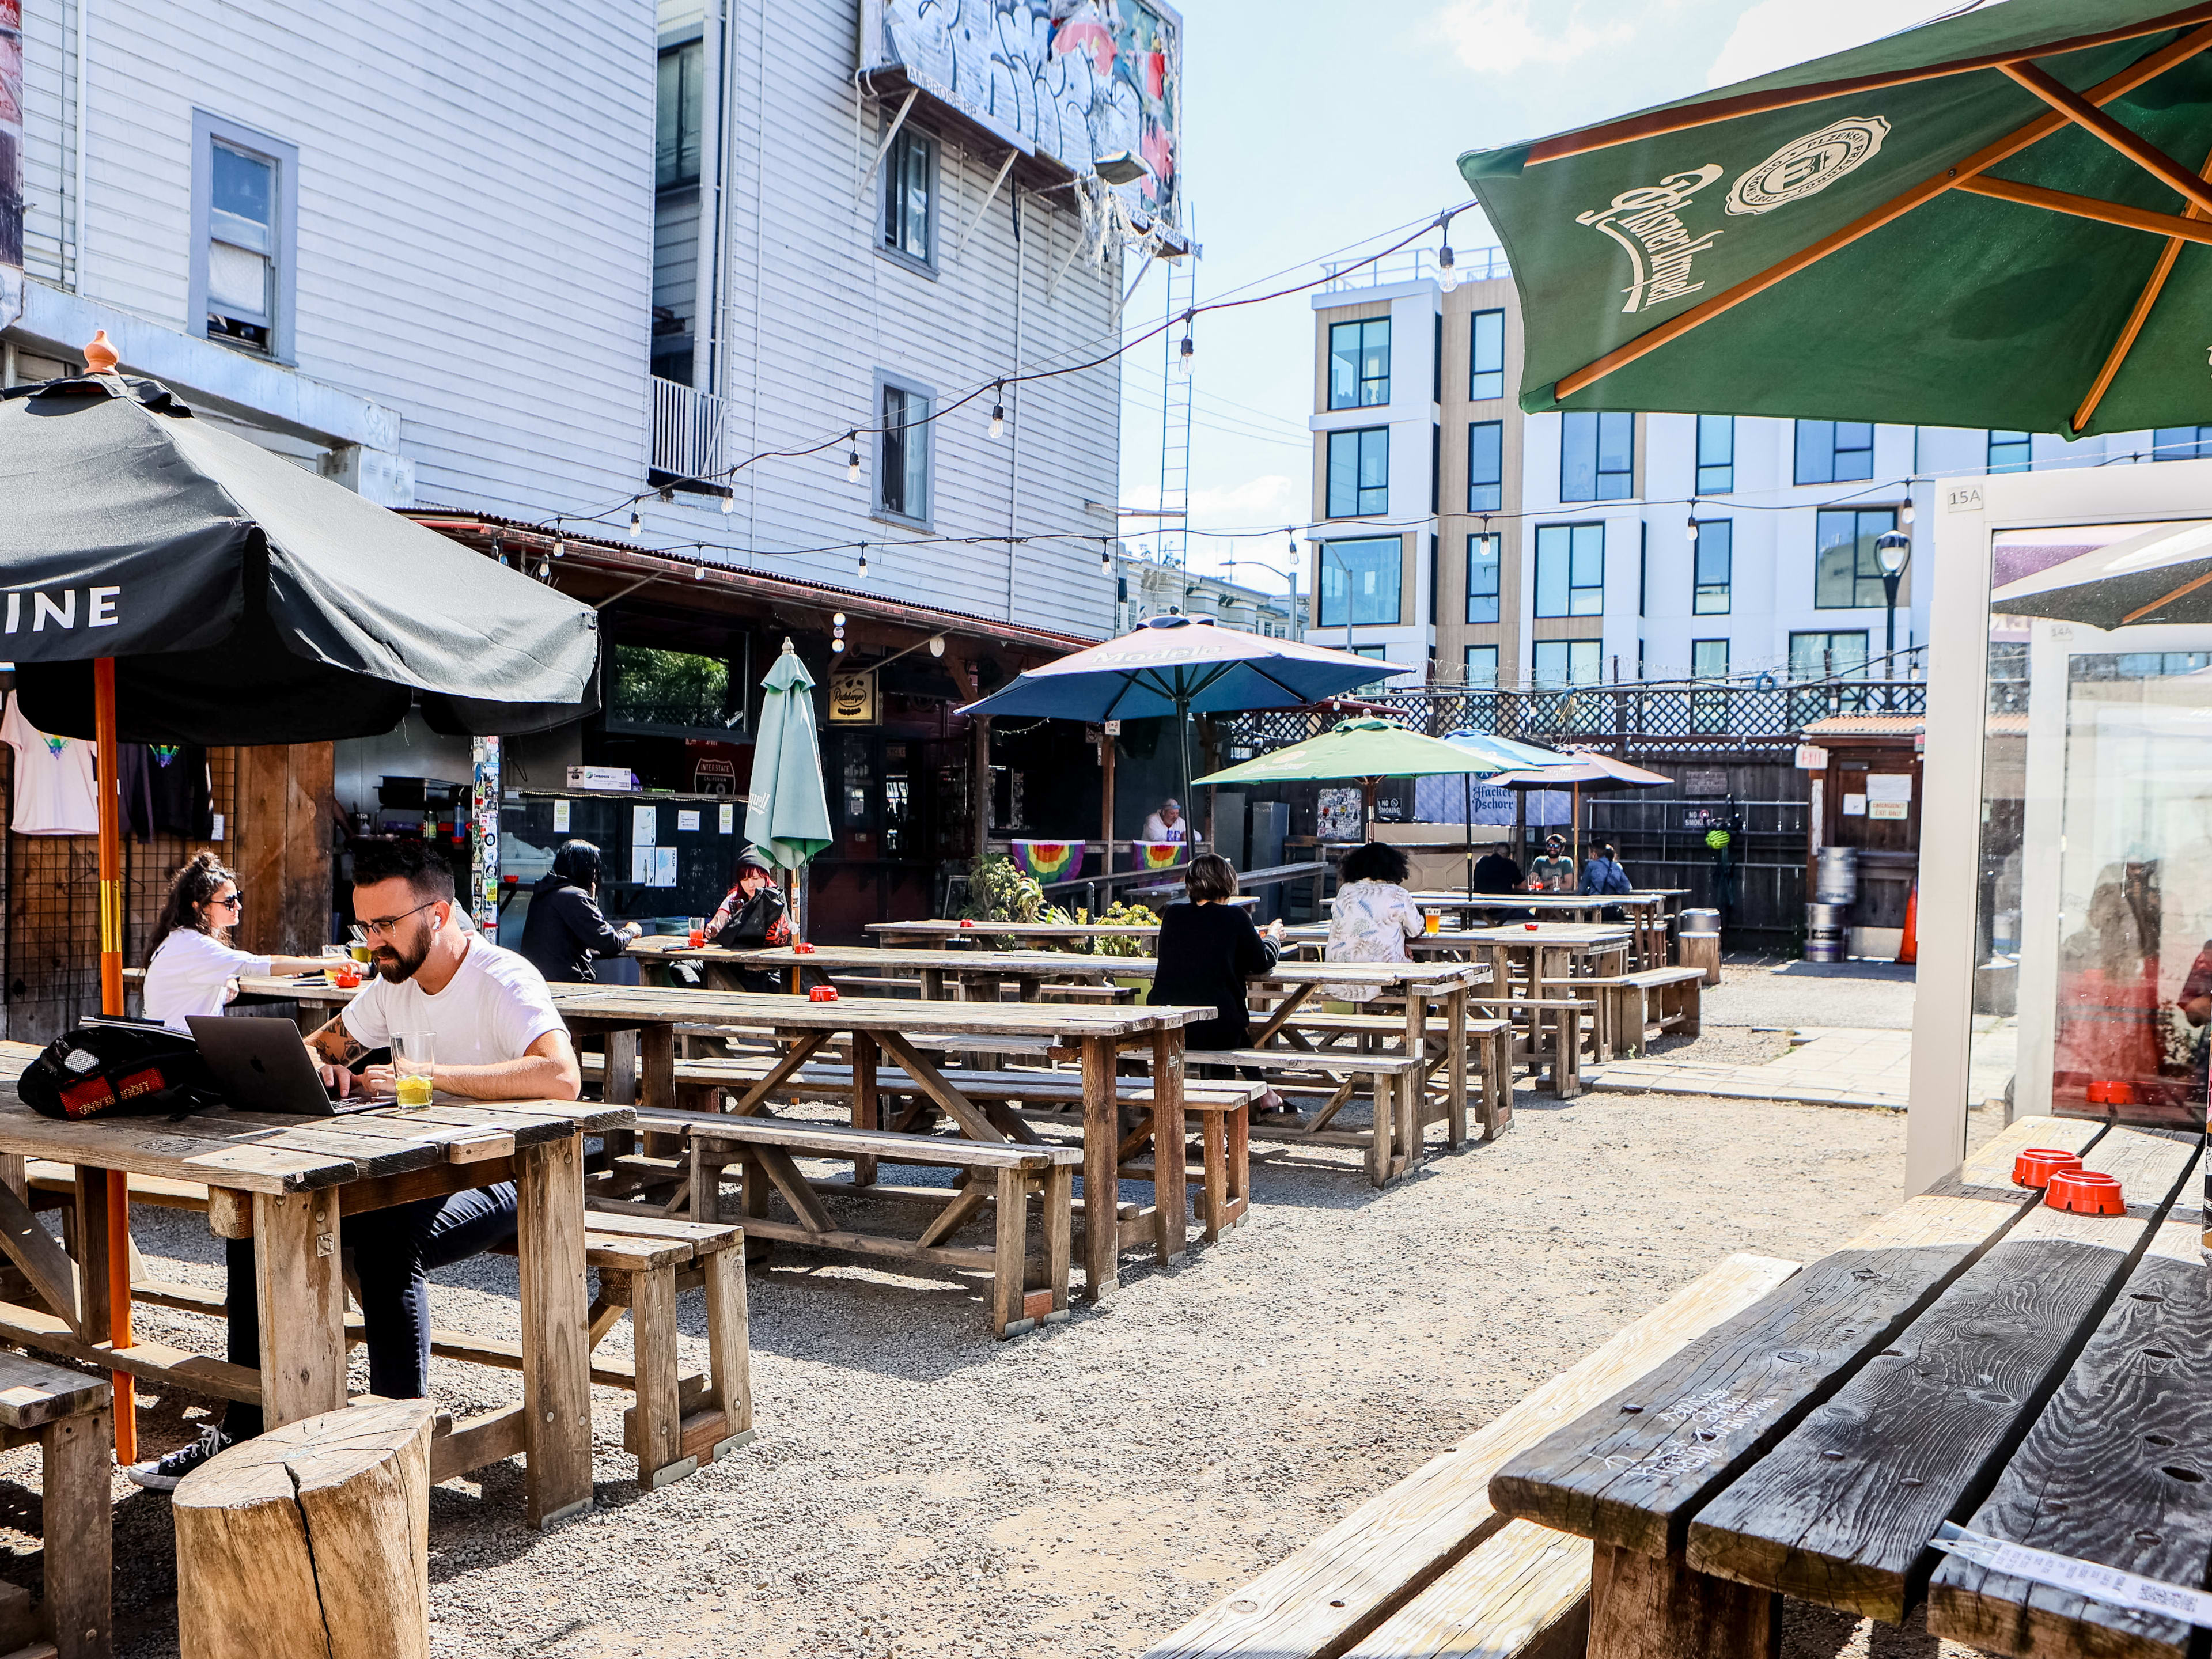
1373 917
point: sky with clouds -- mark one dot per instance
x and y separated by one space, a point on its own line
1313 125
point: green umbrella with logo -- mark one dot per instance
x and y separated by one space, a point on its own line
788 816
1998 220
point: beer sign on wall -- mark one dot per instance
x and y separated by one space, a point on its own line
853 699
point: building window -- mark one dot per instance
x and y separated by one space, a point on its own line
1359 364
2012 452
1568 662
677 121
1487 379
244 190
910 199
1482 572
1359 582
2182 443
1486 466
1359 472
1571 570
1716 454
1713 558
1820 656
1709 661
1846 574
1482 667
1598 457
1834 452
903 449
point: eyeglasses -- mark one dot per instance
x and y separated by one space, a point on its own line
382 929
235 903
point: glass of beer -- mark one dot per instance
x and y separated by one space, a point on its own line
412 1056
697 928
1431 921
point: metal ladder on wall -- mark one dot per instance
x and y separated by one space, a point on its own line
1175 424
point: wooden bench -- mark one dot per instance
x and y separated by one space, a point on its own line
1629 1004
67 1414
1488 1041
1393 1083
1003 1174
1561 1057
1429 1560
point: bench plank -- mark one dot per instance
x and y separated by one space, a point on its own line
1332 1592
1944 1402
835 1140
1632 1471
2113 1472
1522 1593
33 1393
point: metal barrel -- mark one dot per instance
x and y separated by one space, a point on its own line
1836 876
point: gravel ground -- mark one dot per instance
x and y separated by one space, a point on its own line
919 1489
1871 995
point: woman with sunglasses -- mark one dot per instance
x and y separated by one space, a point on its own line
192 968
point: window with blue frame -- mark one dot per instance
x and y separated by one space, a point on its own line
1486 466
2011 451
1359 472
1714 562
1716 454
1846 573
2182 443
1598 457
1487 376
1568 662
1482 577
1360 580
1571 570
1482 667
1834 452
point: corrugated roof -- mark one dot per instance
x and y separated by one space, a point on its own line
1867 725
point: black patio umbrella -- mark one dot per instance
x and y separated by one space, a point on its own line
167 581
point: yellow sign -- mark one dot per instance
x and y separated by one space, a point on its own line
853 699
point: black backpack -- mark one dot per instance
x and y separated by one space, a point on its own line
118 1069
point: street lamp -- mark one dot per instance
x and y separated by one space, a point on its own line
1893 552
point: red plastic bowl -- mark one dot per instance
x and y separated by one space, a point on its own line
823 993
2119 1094
1531 925
2036 1165
802 949
966 921
2085 1192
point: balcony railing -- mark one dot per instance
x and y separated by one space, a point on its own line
1472 264
688 441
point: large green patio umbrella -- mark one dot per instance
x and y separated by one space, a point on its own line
788 816
1997 220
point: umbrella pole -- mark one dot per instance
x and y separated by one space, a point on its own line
111 1002
1468 826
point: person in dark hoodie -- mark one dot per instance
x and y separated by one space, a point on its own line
566 928
751 918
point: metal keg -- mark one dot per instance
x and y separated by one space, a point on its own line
1826 918
1826 946
1836 876
1701 921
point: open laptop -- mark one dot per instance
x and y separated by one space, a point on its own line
264 1065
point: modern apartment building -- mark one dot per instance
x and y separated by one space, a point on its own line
1453 532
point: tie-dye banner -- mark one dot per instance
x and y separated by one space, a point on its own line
1159 854
1049 860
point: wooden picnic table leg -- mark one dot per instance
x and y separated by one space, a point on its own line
618 1087
1170 1165
557 1368
300 1295
94 1282
656 1081
1455 1075
867 1113
933 985
79 1528
1378 1139
1101 1184
1651 1607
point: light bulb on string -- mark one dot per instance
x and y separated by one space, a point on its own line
729 503
1292 533
1904 512
545 571
1692 531
1447 278
698 573
636 523
998 410
863 561
1105 556
559 544
852 459
1189 349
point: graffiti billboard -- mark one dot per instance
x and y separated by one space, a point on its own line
11 160
1095 85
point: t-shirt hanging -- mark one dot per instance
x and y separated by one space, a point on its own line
164 791
53 779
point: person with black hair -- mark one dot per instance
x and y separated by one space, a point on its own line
1207 949
753 916
1374 916
566 928
497 1037
193 968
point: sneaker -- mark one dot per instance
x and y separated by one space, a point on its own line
163 1474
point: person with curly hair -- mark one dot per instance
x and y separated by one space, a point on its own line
193 968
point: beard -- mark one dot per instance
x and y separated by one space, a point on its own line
395 965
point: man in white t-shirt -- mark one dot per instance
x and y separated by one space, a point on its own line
495 1034
1166 823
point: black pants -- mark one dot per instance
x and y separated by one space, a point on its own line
392 1249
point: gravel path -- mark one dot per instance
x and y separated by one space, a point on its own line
918 1489
1872 995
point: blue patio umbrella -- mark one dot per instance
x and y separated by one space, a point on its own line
1179 666
1509 756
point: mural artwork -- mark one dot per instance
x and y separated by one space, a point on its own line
1095 84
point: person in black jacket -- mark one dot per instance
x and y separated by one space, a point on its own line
1207 949
751 917
566 929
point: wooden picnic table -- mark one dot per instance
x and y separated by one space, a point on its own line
1644 913
285 1181
875 1026
1818 1444
922 935
1433 991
